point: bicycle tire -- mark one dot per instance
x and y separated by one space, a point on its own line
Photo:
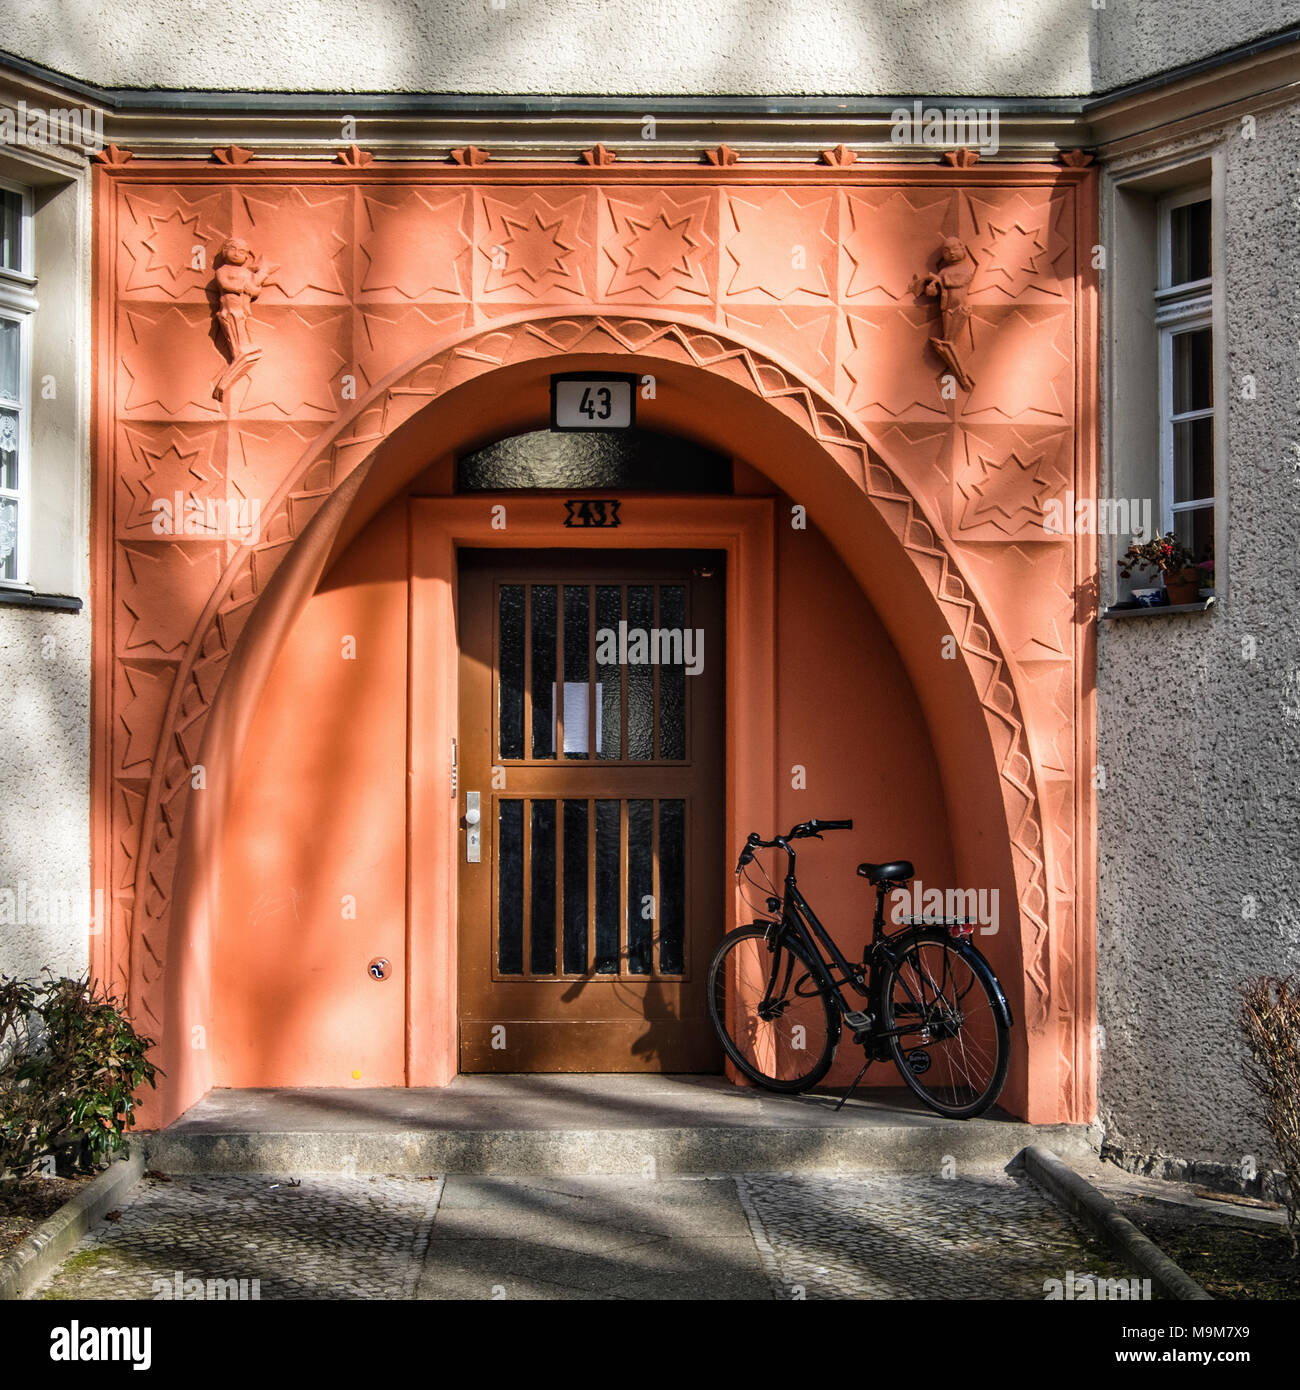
773 1039
975 1065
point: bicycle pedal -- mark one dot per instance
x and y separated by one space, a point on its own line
858 1021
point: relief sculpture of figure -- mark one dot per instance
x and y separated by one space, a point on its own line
241 277
949 284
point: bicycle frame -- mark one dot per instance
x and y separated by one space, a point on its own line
912 996
798 917
807 927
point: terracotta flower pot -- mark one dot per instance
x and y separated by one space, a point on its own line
1183 586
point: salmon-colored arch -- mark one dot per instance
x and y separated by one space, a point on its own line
490 382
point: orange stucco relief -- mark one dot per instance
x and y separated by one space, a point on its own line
377 271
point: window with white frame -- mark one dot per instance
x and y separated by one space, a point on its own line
17 304
1183 315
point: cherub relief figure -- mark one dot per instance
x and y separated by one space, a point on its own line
241 278
950 284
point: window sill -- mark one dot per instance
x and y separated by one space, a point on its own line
26 598
1202 605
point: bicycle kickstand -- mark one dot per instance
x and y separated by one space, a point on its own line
854 1086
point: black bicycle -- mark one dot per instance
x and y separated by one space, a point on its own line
932 1002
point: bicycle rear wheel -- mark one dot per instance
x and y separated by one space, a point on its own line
956 1045
768 1007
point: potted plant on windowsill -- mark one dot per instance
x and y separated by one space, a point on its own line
1177 566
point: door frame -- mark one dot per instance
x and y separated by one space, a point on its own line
743 527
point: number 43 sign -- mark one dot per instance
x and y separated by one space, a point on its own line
599 401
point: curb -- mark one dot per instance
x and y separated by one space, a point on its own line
50 1243
1078 1196
773 1148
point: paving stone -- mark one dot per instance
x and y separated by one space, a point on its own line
981 1236
329 1238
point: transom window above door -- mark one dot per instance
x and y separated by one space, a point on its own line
634 460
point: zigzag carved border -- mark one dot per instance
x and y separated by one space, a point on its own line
352 445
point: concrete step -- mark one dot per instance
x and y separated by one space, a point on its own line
569 1125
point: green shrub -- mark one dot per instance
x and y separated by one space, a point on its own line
70 1065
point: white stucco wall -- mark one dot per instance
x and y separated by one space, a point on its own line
626 47
44 790
607 47
1199 734
45 653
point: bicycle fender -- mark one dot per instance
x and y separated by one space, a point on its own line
900 943
999 997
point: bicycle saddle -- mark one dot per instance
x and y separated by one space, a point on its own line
886 873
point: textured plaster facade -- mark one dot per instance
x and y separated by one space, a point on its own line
1008 48
731 47
1200 741
45 897
44 789
1133 41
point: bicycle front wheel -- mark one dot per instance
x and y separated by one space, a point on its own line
768 1007
954 1045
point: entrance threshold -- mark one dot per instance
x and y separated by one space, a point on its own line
569 1124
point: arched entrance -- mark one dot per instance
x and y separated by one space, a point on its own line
717 390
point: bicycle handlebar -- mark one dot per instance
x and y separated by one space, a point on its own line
802 831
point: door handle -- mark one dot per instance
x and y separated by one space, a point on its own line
473 838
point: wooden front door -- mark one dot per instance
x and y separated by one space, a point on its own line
591 730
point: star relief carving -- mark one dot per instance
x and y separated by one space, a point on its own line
170 361
659 249
1006 494
415 243
884 237
1010 257
781 246
531 247
1018 242
660 246
302 235
306 365
171 243
159 235
534 248
182 464
1019 362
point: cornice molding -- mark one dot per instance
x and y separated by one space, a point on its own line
558 129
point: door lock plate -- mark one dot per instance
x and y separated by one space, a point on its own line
473 837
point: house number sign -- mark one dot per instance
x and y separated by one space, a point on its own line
591 511
599 401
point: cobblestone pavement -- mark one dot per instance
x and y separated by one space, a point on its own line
985 1236
329 1238
977 1236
